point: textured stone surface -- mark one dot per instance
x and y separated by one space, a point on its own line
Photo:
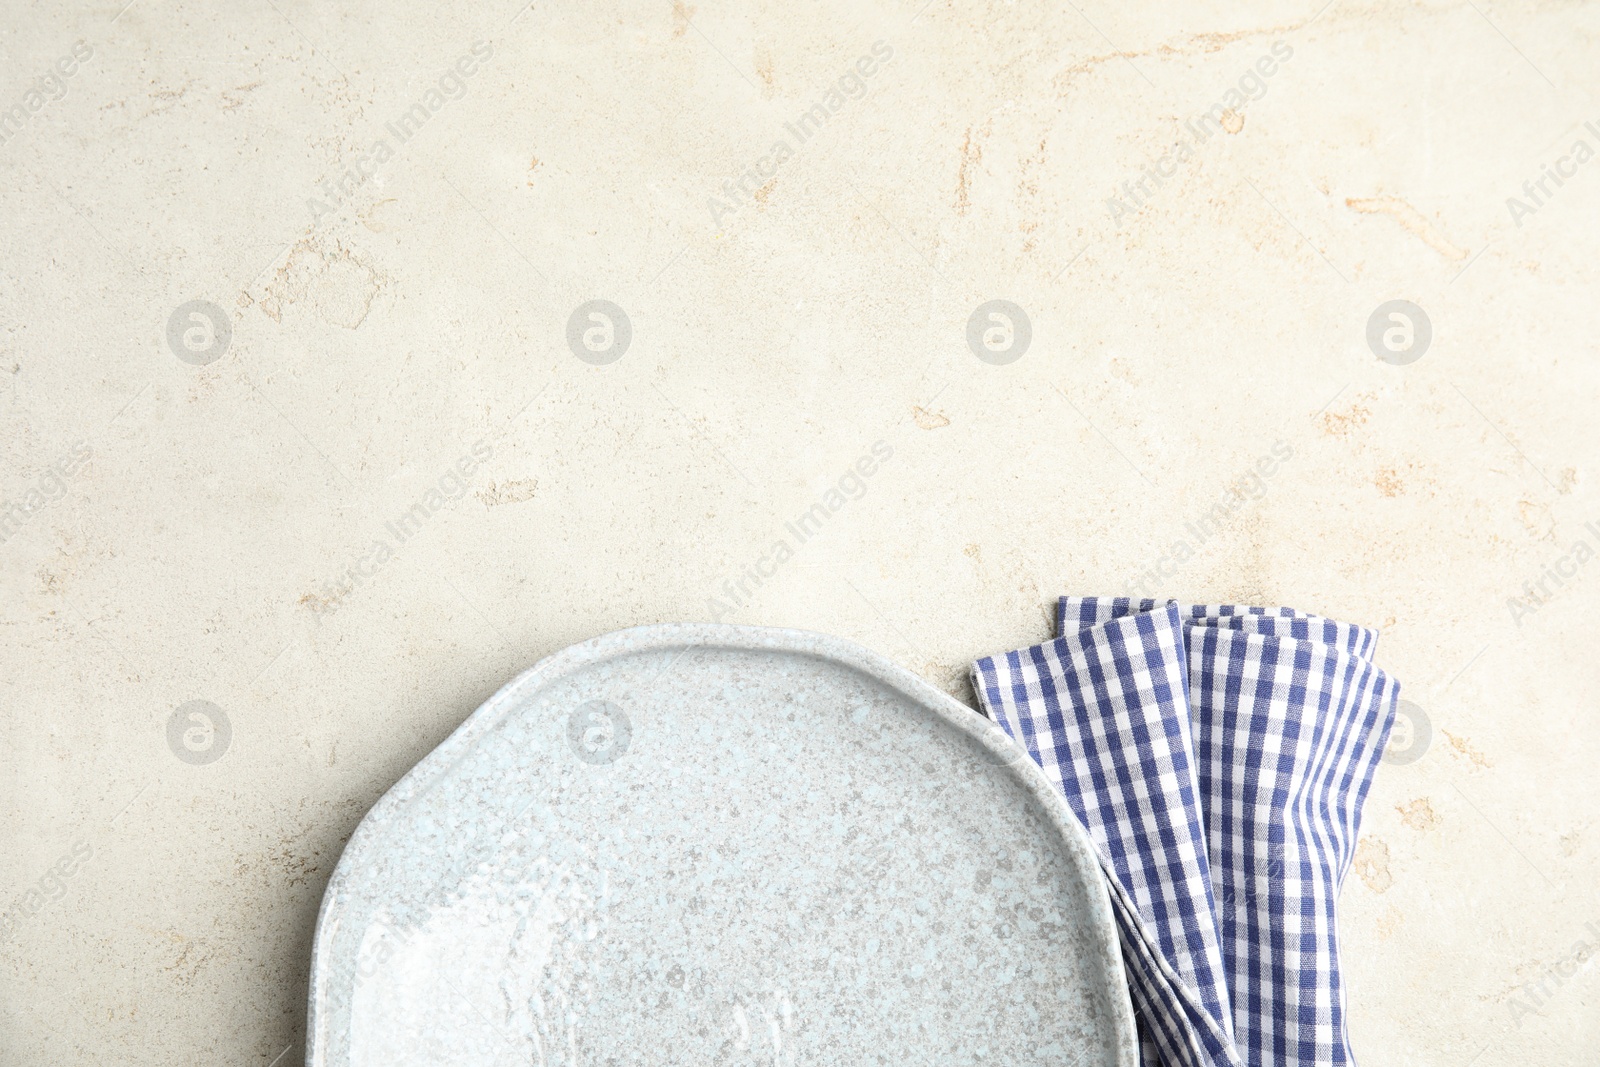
160 902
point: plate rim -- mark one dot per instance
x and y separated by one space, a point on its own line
657 637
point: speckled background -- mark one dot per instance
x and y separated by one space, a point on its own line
396 485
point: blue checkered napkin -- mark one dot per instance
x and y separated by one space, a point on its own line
1289 718
1104 711
1298 727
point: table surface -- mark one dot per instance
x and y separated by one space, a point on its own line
312 438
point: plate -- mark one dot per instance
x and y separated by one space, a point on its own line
710 844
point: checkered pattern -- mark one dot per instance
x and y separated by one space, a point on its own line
1219 757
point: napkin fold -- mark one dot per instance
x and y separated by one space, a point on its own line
1218 757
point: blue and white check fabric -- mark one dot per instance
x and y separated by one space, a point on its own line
1218 757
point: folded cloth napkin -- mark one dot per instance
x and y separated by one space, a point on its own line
1218 757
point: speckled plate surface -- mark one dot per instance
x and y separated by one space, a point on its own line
696 844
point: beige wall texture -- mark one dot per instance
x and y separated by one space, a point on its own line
312 437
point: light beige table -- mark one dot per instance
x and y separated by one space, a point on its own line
367 479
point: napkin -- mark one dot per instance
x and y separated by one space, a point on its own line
1218 757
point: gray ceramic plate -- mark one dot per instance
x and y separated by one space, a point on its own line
719 845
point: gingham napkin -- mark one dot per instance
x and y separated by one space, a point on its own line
1218 757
